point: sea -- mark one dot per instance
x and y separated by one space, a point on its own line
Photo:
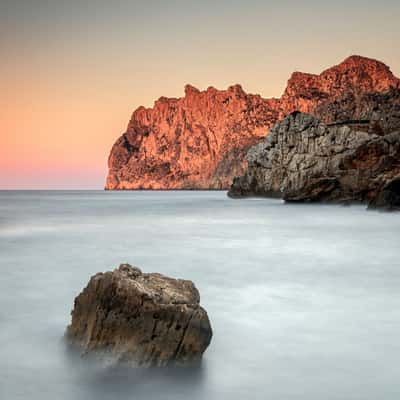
304 299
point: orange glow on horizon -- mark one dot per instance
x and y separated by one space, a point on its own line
70 84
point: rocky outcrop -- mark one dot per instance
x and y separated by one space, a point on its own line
144 319
195 142
338 93
304 159
200 141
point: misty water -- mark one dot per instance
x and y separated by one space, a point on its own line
304 300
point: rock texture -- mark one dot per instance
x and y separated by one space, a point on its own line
343 92
304 159
200 141
146 319
196 142
388 198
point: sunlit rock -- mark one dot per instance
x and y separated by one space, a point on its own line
200 141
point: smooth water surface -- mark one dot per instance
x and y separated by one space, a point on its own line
304 300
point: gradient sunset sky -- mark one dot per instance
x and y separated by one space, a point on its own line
72 71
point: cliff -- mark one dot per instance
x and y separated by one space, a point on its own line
200 141
197 142
304 159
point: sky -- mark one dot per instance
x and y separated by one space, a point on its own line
72 72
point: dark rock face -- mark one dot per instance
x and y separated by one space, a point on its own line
200 141
381 111
304 159
144 319
388 198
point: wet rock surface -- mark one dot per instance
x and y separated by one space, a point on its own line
144 319
304 159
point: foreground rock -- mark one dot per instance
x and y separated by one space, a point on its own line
200 141
145 319
303 159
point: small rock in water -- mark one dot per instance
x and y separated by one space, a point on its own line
145 319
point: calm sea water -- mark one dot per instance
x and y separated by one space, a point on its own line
304 300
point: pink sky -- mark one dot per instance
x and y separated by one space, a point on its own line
72 75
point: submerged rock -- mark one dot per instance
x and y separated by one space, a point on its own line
143 318
304 159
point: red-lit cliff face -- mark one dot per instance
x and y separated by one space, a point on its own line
339 92
200 141
195 142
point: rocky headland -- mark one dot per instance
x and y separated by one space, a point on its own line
144 319
305 159
200 141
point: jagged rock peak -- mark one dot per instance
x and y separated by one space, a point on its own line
189 90
363 67
361 62
199 141
355 75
